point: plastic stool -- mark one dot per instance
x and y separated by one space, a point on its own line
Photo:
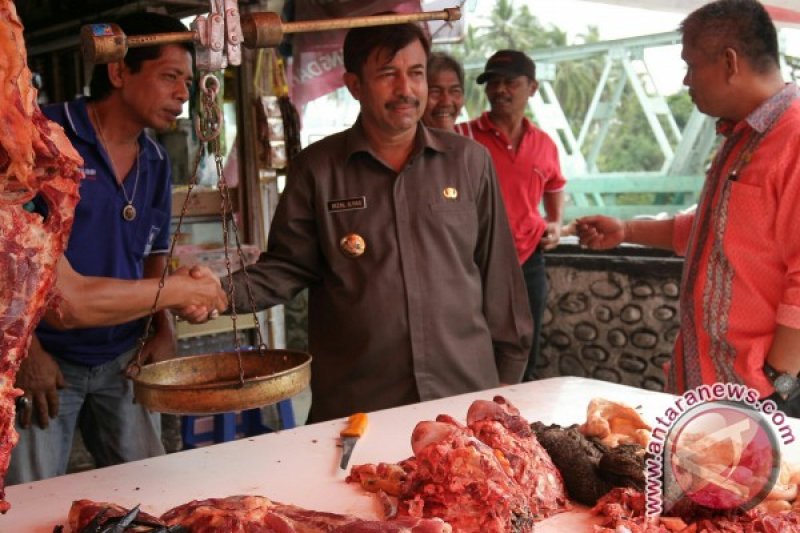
226 429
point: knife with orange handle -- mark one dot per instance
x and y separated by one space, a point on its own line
356 425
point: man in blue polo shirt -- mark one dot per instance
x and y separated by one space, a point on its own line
121 230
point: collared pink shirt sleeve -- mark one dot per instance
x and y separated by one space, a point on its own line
787 218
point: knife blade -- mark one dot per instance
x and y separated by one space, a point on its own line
356 425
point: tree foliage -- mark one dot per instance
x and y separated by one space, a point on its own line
630 144
510 25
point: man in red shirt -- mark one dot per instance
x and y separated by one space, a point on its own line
740 294
526 161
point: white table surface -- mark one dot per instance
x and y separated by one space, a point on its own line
300 466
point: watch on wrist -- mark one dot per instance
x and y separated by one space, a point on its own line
785 384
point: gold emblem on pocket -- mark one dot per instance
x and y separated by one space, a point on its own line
451 193
353 245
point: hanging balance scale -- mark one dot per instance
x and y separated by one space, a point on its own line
221 381
239 379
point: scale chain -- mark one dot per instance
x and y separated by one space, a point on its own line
213 110
135 366
208 129
215 117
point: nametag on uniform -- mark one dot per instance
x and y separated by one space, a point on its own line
347 204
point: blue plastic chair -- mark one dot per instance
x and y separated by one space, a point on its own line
226 429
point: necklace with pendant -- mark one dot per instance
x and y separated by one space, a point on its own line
129 210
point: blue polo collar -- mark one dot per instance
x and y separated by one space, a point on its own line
77 116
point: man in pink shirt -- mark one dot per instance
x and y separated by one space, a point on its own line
740 293
528 170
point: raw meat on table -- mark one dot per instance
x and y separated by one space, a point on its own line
88 515
590 468
255 514
500 425
624 510
491 475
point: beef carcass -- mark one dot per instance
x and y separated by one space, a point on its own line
491 475
387 478
577 458
623 509
245 514
588 467
35 158
463 481
500 425
255 514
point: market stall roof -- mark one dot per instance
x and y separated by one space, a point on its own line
783 12
38 15
50 21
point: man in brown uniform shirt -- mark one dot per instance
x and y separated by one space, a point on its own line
400 233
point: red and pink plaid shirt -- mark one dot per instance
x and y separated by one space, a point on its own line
742 272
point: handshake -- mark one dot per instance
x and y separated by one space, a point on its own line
195 294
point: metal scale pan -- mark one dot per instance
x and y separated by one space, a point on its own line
209 383
225 381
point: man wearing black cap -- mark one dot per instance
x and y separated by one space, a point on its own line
526 161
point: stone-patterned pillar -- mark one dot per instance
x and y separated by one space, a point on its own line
610 315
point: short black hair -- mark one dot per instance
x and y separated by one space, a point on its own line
359 43
439 61
743 25
142 23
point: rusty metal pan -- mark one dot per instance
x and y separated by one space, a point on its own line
209 383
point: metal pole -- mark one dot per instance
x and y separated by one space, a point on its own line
449 14
155 39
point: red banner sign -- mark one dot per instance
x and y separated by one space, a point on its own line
317 63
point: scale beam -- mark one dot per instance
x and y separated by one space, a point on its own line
106 42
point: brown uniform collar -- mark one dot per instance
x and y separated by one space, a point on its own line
425 139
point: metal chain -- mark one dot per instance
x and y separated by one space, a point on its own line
227 223
212 110
208 127
262 346
136 366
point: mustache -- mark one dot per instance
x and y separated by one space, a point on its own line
402 101
444 109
